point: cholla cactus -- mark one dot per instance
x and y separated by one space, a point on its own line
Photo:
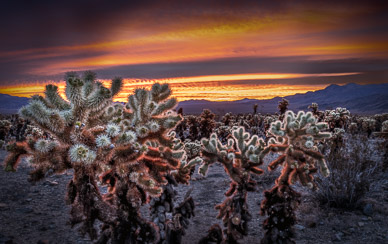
283 106
193 149
106 142
240 157
368 125
353 128
337 118
315 110
294 139
383 133
193 124
255 106
5 126
384 126
206 123
174 228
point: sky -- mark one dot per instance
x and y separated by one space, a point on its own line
214 50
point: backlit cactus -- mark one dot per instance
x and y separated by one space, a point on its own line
337 118
294 139
240 157
127 148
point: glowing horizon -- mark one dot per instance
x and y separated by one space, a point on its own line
186 88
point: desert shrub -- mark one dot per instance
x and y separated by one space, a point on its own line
351 161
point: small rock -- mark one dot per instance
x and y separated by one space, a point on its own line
43 228
299 227
312 224
361 224
339 236
3 205
368 209
52 183
43 242
25 210
346 232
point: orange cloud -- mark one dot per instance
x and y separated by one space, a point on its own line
212 87
282 34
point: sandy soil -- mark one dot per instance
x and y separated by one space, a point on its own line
38 213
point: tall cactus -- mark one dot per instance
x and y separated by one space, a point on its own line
107 143
240 157
294 140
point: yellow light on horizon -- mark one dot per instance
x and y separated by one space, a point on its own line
198 87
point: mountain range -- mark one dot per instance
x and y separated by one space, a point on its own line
358 99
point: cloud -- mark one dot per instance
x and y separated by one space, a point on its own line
160 39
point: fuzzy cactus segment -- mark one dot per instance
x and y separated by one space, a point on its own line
103 141
112 130
45 146
79 153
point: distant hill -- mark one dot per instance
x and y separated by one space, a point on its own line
358 99
10 104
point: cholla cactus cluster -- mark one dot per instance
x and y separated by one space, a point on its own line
337 118
127 148
283 106
240 157
384 126
206 123
133 151
368 125
294 139
5 126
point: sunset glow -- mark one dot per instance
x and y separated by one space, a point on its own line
213 51
213 88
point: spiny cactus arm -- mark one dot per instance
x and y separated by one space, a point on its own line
116 85
146 182
273 165
16 152
98 100
48 158
89 78
164 106
73 89
41 99
160 92
47 119
182 175
124 154
52 95
251 150
213 152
